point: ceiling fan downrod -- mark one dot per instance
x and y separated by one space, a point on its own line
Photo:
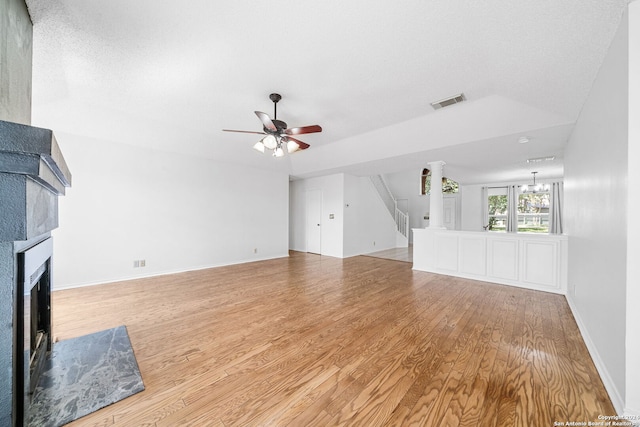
275 97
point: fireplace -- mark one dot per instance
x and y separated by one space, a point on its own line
33 174
34 317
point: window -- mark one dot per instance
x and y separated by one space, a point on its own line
533 212
497 209
449 186
424 178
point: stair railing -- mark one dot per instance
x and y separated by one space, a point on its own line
402 222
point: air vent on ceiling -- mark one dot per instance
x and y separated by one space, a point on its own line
448 101
541 159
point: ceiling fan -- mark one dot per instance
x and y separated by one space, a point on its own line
276 133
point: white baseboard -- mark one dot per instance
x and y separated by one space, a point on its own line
164 273
609 385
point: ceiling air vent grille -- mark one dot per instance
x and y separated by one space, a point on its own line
448 101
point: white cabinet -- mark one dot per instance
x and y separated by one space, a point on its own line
534 261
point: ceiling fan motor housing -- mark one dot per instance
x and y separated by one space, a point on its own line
275 97
280 126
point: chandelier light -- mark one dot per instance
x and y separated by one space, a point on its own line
535 188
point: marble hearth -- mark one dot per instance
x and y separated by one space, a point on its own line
33 174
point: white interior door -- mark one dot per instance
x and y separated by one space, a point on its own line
449 212
314 221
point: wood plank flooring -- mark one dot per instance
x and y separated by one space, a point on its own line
318 341
398 254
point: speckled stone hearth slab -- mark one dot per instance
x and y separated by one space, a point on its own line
83 375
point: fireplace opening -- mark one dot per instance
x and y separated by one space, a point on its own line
39 327
34 319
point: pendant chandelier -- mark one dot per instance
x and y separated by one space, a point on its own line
535 188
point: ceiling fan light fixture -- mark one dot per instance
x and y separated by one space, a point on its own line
275 133
270 142
259 146
292 146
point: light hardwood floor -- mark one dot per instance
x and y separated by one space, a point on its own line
318 341
396 254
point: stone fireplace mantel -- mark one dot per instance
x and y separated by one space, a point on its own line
33 174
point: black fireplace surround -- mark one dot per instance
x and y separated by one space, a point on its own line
33 174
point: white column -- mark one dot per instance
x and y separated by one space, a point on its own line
435 199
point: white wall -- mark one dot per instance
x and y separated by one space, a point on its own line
633 227
406 185
368 226
353 229
471 200
332 187
297 216
595 184
176 212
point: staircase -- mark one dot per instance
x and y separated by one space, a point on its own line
401 218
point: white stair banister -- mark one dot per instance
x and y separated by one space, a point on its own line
402 222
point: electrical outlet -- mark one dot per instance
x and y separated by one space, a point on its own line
143 263
136 264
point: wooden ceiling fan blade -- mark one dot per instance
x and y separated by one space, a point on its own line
266 121
303 129
243 131
301 145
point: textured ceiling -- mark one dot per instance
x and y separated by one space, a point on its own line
170 75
